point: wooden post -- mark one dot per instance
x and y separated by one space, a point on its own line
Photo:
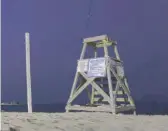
28 73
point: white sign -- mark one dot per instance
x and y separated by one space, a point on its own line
97 67
82 65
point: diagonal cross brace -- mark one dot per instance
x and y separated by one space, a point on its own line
97 87
89 80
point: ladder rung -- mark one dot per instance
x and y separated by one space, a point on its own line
105 85
119 92
120 99
98 98
117 99
96 93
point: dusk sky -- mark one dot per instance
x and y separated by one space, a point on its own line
57 28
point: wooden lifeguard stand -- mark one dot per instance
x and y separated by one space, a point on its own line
109 88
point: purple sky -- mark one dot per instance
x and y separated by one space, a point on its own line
57 28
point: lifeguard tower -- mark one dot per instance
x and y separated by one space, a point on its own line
109 88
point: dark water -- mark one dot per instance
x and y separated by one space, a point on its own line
36 108
151 108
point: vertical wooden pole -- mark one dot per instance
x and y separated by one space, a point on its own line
28 73
116 51
93 90
110 84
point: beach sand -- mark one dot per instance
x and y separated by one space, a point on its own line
82 121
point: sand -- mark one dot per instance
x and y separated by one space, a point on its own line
82 121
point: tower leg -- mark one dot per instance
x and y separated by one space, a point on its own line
73 89
92 96
126 84
116 52
93 90
111 90
76 76
109 81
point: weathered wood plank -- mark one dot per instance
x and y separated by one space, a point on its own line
89 108
125 108
120 99
96 38
103 108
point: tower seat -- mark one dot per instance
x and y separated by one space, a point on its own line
95 39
